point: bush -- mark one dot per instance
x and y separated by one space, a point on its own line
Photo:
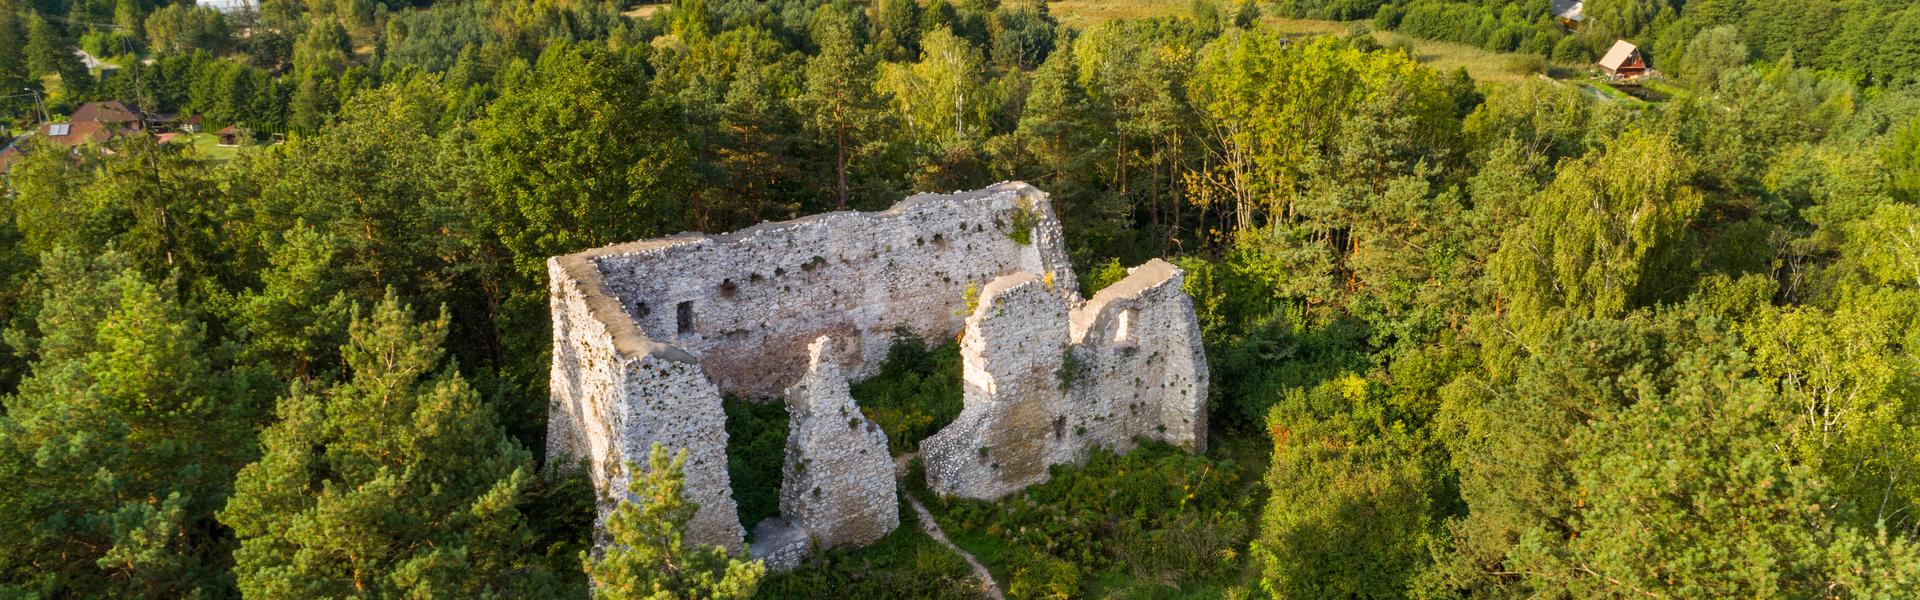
904 564
915 394
1158 515
756 456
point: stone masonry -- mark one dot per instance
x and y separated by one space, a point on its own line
1047 382
648 336
838 482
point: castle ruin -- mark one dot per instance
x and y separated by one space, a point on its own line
648 335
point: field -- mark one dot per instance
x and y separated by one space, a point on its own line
208 145
1484 66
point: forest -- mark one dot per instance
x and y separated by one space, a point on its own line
1467 338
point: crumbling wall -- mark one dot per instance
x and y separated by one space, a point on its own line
837 487
746 304
1142 365
1046 385
614 394
838 481
1011 355
648 335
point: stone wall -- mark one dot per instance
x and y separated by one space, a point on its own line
746 304
648 335
614 394
1046 384
838 480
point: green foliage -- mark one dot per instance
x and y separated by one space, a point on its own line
647 554
1356 494
916 393
904 564
1686 494
1903 160
1020 224
121 442
404 443
756 455
559 183
1161 517
1107 274
1607 236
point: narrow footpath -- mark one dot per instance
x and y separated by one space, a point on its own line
933 530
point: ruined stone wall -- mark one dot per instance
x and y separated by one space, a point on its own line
648 335
837 486
748 303
614 394
1046 384
838 479
1142 365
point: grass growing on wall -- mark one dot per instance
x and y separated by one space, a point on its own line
917 392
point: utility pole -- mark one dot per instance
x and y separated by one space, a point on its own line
38 104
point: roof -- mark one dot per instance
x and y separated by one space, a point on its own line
229 130
9 155
1571 10
110 111
68 135
1617 56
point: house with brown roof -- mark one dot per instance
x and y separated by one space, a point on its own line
68 135
1624 61
232 135
111 112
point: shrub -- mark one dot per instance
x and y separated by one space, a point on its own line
917 392
756 455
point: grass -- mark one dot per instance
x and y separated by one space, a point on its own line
1082 14
207 145
645 10
904 564
1482 65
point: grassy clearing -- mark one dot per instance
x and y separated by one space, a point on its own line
1082 14
207 145
645 10
1484 66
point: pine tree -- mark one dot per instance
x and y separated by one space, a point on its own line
397 481
648 556
121 443
839 92
13 62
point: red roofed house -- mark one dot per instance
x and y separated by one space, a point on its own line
110 112
1624 60
68 135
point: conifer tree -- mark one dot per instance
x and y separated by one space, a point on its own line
397 481
648 555
839 93
120 444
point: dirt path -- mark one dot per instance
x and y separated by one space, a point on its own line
933 530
